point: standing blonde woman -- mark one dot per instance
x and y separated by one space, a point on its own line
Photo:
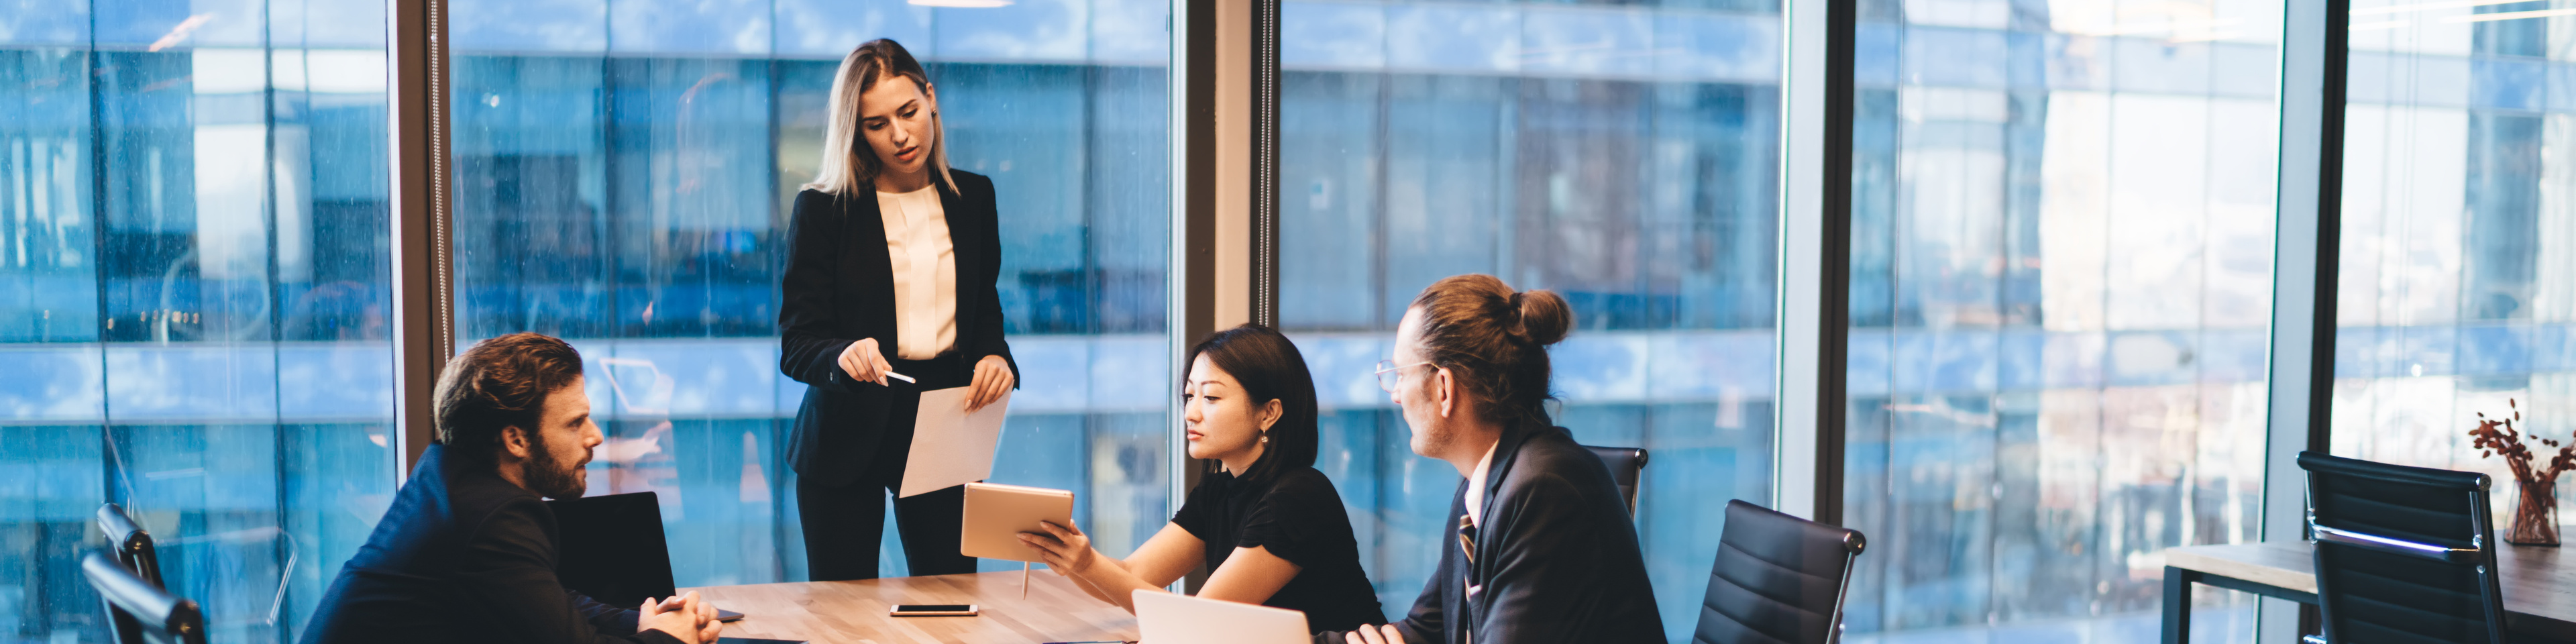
890 268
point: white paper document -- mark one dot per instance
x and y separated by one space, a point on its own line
949 446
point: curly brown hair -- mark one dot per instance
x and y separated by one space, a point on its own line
499 383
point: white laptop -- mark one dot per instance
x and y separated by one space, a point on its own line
1166 618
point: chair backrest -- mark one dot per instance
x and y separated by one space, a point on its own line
133 546
1778 578
162 618
611 547
1627 464
2402 553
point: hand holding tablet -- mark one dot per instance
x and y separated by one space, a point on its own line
996 515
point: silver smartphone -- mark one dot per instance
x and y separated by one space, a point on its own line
932 610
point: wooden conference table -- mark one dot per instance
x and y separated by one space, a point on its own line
2539 591
854 612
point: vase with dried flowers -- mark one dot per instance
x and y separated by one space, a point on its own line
2535 508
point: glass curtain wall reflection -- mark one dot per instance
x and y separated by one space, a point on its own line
2456 295
1625 155
625 172
192 198
2061 248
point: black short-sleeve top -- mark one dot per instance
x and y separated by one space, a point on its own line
1298 516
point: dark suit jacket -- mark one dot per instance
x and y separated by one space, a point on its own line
1556 556
463 556
839 288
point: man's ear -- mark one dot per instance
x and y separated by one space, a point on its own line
515 441
1271 411
1448 393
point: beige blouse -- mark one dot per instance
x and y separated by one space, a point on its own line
925 272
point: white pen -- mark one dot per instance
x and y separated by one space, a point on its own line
902 377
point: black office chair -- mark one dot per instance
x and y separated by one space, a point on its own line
611 547
133 546
161 618
2403 554
1627 464
1778 578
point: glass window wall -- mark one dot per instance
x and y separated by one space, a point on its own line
193 302
1624 155
2062 234
2061 249
2452 299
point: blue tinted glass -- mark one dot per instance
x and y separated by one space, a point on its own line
193 302
2454 300
2060 288
625 172
1623 156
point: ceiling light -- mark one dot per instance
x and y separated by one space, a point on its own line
2511 15
2429 6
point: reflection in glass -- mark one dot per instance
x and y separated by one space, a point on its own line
2061 248
1625 157
626 183
2455 291
192 302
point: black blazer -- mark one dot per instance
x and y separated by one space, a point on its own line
839 288
1556 557
463 556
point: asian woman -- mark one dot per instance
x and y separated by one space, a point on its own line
1266 522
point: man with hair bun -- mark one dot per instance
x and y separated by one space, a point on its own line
467 551
1537 545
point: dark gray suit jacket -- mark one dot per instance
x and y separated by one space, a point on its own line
1556 557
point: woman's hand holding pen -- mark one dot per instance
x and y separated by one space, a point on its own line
865 364
992 378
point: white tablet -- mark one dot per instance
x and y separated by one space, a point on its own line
1166 618
997 514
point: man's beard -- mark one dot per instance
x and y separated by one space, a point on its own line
553 480
1433 438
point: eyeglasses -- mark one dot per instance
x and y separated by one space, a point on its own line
1390 374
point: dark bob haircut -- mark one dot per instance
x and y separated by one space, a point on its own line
502 382
1269 368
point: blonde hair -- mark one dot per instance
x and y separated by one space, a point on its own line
849 166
